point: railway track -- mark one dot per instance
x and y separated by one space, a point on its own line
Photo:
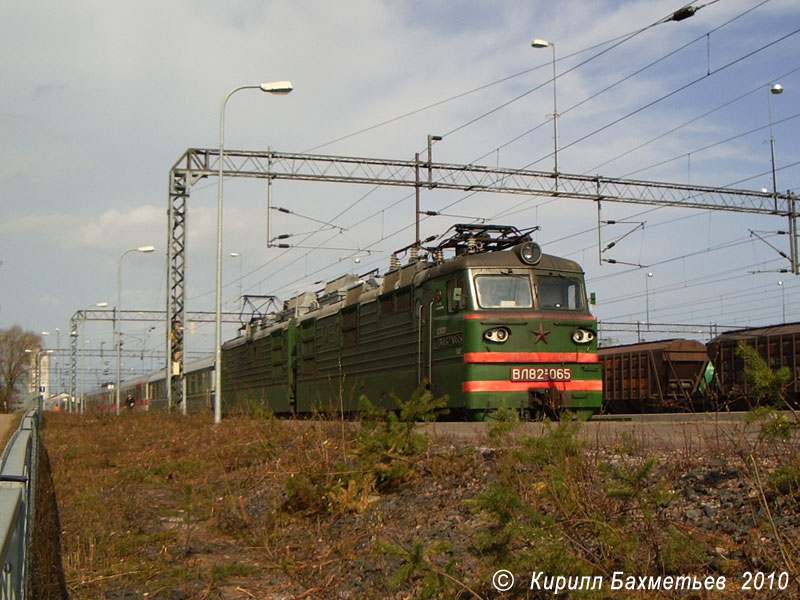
701 432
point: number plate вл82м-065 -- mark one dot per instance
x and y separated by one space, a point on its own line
540 374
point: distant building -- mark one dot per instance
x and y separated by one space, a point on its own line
39 379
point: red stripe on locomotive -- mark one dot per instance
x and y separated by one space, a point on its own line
529 357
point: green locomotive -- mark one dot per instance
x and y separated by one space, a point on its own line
498 321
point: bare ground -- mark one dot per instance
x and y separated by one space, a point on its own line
8 423
158 506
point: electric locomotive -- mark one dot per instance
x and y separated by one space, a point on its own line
496 322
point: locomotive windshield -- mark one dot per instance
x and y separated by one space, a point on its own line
560 292
503 291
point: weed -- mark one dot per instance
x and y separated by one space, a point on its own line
387 445
307 492
434 563
384 452
765 386
554 510
768 390
503 425
354 496
226 571
306 500
786 478
776 430
774 425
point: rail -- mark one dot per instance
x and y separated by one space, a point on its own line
18 478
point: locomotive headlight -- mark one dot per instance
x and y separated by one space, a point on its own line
529 252
497 335
582 336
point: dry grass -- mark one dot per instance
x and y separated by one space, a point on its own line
8 425
176 507
140 496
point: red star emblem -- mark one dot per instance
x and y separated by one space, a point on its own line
541 334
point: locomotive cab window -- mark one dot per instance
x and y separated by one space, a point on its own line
503 291
560 292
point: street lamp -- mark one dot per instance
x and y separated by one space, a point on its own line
118 317
537 43
58 361
647 298
241 261
783 300
276 87
774 90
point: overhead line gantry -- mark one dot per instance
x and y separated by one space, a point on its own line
82 316
198 163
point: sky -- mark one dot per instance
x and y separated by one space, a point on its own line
100 99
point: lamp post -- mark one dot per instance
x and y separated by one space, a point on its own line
537 43
241 261
774 90
275 87
783 301
86 349
118 318
58 361
647 298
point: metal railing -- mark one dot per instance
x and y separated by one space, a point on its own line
18 478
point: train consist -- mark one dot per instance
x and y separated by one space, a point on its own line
496 321
485 317
150 392
687 376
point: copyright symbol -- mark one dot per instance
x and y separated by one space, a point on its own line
503 580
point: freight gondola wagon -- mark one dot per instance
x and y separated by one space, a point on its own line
662 376
778 345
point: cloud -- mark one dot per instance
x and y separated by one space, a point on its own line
101 98
113 229
117 228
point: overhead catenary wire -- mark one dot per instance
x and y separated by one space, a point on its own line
718 277
462 95
372 216
709 146
650 104
617 42
611 86
670 94
685 124
700 307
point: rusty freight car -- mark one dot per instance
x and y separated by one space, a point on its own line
778 345
661 376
